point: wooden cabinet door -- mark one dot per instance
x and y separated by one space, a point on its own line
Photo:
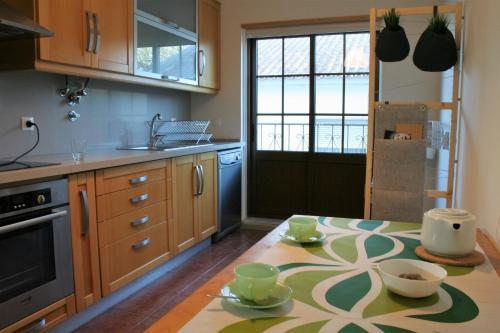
207 200
68 20
85 239
209 43
114 22
183 202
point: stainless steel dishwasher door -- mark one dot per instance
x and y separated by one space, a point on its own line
229 192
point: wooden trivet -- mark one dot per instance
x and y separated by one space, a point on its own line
473 259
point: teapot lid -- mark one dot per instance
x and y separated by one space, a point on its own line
449 213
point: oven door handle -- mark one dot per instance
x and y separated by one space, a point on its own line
32 222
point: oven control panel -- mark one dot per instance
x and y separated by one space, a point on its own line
20 201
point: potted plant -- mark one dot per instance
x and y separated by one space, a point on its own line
392 44
436 50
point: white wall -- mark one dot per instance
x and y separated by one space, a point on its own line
479 158
225 109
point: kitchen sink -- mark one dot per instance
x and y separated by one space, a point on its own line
165 147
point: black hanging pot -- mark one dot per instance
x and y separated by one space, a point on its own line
392 45
435 52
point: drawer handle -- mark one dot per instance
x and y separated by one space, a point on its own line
138 180
140 198
137 223
143 243
35 327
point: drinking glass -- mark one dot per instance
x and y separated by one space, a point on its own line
78 149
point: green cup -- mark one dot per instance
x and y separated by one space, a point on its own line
302 227
256 281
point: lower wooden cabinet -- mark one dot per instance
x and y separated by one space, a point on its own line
194 199
45 319
85 239
132 215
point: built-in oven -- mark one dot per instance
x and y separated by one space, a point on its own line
36 266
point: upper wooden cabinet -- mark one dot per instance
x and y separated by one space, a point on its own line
209 43
194 199
89 33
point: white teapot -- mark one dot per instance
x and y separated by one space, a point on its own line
448 232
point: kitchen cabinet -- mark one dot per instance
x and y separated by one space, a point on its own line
135 234
84 239
46 318
88 33
194 199
209 43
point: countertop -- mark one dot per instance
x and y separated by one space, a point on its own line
184 312
100 159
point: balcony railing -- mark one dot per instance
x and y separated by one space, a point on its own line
328 137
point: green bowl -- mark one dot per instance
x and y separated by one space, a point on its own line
256 281
302 227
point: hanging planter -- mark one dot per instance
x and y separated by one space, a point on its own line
436 50
392 44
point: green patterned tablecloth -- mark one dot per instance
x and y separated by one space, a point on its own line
337 288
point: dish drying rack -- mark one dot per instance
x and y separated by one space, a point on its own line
193 131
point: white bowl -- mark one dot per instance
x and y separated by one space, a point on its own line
392 268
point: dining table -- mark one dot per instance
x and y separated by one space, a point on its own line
337 287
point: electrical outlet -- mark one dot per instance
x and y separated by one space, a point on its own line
23 123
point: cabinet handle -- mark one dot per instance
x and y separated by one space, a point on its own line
35 328
85 213
143 243
202 187
138 180
202 59
143 220
198 180
140 198
98 33
90 32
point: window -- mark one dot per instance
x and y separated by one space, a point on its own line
311 93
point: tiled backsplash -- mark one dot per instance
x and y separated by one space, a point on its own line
112 114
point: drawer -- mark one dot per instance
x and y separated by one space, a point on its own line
124 258
129 176
46 318
118 203
131 223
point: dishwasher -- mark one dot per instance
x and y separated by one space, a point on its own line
229 192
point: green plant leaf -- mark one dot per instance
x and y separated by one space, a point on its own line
257 325
347 293
463 309
377 245
345 247
309 328
369 225
352 328
302 284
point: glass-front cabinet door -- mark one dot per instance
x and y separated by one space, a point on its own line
164 51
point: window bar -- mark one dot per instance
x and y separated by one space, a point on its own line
282 93
343 92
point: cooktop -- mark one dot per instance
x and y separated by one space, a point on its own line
23 165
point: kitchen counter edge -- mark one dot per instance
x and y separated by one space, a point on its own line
101 159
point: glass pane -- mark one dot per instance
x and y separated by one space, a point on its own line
268 132
356 94
329 94
328 137
165 55
296 133
355 135
297 94
297 55
357 53
269 57
329 53
269 95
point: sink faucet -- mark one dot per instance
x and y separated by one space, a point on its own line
153 135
